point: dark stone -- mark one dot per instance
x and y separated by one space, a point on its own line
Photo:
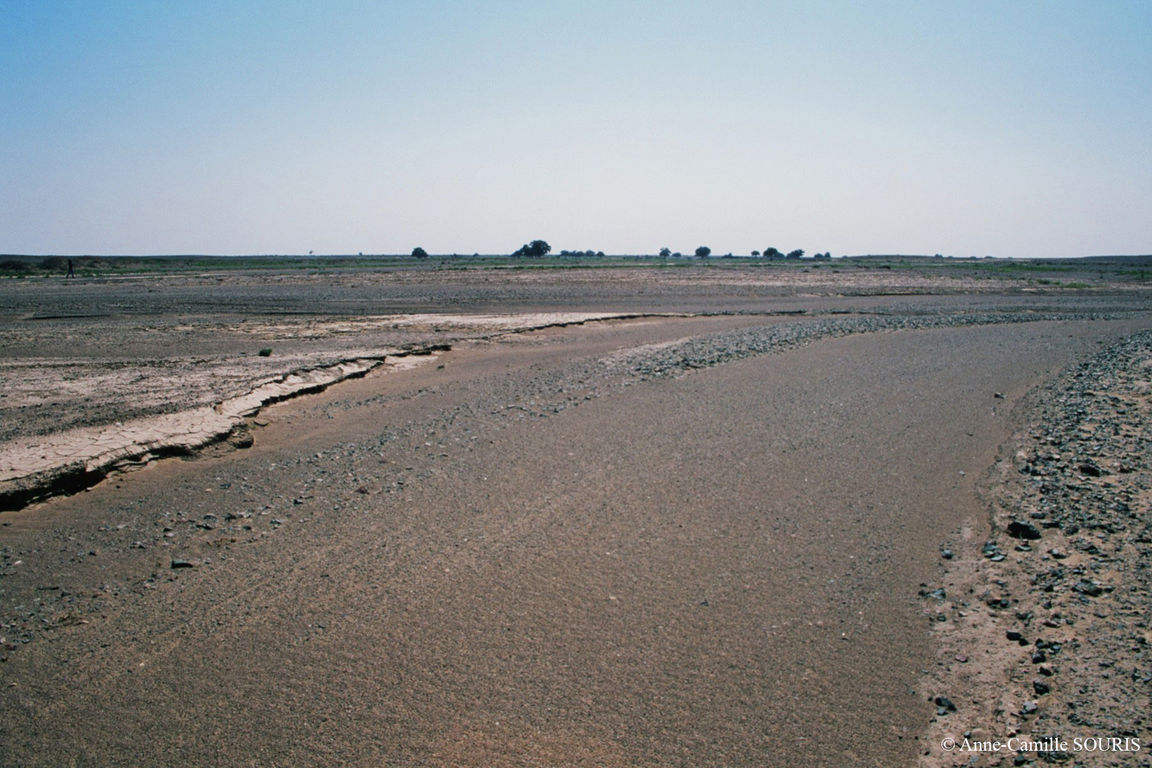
182 564
1019 529
1088 587
944 705
1041 687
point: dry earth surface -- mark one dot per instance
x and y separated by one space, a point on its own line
618 517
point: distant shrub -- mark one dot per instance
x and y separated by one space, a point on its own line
266 352
535 248
419 253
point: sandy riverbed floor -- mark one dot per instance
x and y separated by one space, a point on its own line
614 519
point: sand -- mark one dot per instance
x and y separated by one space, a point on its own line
666 539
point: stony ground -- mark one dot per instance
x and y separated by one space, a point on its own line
1044 627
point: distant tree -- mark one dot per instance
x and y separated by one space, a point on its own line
755 253
772 253
796 254
419 253
677 255
534 248
665 253
703 252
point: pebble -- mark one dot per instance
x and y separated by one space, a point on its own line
944 705
1089 588
1018 529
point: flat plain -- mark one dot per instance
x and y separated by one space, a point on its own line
626 513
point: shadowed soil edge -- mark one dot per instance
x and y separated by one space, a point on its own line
1042 619
81 458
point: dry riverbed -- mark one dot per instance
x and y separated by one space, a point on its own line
692 518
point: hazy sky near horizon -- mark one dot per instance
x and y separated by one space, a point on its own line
1015 129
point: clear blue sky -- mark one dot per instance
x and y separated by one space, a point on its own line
966 128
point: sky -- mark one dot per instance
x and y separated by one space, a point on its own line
973 128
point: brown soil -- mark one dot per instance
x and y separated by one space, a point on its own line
659 541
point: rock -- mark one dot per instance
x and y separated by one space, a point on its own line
1041 687
1016 637
1089 588
1018 529
182 564
947 554
944 705
1090 469
1029 708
